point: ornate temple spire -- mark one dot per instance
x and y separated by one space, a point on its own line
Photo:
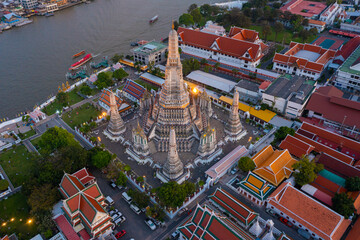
234 127
116 124
140 143
173 167
207 141
174 93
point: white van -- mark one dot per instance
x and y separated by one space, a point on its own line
135 209
109 200
127 198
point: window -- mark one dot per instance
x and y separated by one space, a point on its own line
293 221
281 213
287 217
272 207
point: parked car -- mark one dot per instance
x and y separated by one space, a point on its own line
113 185
120 234
119 187
233 171
175 235
270 211
112 212
150 224
287 222
119 220
109 200
182 211
135 209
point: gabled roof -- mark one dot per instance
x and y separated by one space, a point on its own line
347 49
105 98
308 212
243 34
233 46
70 185
330 104
317 65
296 146
257 186
233 206
273 166
317 22
134 89
84 176
66 228
207 225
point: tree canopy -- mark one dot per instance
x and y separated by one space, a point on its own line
85 89
43 198
173 195
282 132
120 74
55 138
103 80
100 158
343 204
306 171
122 179
189 65
116 58
186 19
156 212
246 164
63 98
196 15
4 184
139 198
353 184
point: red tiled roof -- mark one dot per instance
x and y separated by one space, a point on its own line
264 85
348 48
84 235
334 108
323 148
105 98
317 22
134 89
338 167
288 58
308 212
70 185
296 146
66 228
243 34
297 7
351 146
230 46
84 176
236 208
93 191
354 233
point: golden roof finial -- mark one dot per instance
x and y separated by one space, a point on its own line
172 25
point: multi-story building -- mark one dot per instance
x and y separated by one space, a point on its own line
29 4
307 9
289 94
306 213
318 25
152 52
241 49
330 13
348 75
303 60
84 206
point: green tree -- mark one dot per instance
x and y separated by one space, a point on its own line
282 132
343 204
217 65
101 158
140 179
116 58
141 199
55 138
122 179
304 34
196 15
103 80
120 74
353 184
85 89
278 28
4 184
127 168
156 212
266 30
203 61
246 164
63 98
192 7
205 10
25 118
43 198
173 195
306 171
186 19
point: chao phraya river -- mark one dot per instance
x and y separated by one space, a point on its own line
34 58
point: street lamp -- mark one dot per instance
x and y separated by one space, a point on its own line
144 181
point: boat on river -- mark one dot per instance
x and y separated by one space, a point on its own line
154 19
81 62
79 54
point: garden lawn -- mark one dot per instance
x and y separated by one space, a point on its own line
146 85
289 36
73 98
16 165
28 134
17 208
80 115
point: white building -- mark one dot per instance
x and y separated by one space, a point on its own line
348 75
29 4
330 13
213 28
289 94
318 25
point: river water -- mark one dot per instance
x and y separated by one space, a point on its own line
34 58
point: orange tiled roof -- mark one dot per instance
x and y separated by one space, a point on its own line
105 98
317 22
273 166
296 146
311 214
354 233
243 34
